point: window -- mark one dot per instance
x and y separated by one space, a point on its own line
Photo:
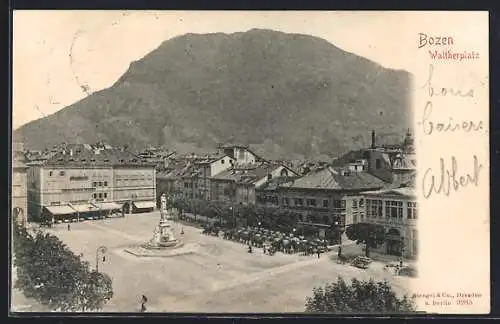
105 195
62 173
105 183
311 202
298 201
361 203
222 161
269 177
50 173
186 185
326 220
394 209
412 210
354 203
94 184
100 183
339 204
286 201
94 196
374 208
378 164
100 195
325 203
284 173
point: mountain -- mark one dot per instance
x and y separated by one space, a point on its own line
287 95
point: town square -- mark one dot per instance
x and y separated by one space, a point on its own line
219 276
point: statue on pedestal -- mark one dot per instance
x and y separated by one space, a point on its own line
163 235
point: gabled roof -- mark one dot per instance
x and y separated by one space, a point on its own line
334 179
275 183
403 192
249 173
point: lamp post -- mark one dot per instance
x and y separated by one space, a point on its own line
233 220
100 250
337 226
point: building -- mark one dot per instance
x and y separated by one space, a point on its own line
82 181
324 198
19 201
391 163
238 184
395 209
242 154
191 176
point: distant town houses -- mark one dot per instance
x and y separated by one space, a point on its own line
373 185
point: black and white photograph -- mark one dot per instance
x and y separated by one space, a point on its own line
229 162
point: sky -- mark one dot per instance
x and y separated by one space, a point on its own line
103 43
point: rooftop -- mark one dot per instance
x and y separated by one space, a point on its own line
403 191
336 179
79 155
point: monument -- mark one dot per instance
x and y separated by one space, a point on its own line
163 243
163 236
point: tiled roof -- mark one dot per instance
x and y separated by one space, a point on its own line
86 155
333 179
248 173
403 191
275 183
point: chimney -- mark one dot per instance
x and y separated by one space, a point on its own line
373 140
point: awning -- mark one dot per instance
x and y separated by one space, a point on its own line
109 206
144 204
60 210
85 208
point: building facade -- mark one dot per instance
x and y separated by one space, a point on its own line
19 201
396 210
240 183
191 177
324 199
89 181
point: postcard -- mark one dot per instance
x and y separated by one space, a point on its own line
250 162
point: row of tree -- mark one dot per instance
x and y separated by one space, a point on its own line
232 215
49 272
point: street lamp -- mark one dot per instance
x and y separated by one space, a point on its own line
100 250
337 226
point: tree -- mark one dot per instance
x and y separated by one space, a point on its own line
96 290
49 272
358 297
369 234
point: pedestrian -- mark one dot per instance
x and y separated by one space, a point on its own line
319 253
144 300
264 249
182 231
69 227
400 262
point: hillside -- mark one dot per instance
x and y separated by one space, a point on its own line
288 95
